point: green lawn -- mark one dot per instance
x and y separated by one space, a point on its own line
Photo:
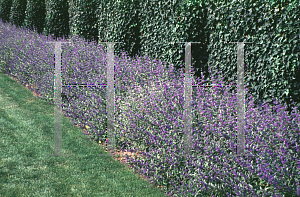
27 134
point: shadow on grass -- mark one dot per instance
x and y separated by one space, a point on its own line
27 134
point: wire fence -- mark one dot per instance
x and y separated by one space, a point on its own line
111 100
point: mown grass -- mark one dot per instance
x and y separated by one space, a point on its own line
27 135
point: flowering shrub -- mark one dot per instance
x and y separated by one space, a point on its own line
149 117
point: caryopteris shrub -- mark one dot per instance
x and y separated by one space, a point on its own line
149 117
